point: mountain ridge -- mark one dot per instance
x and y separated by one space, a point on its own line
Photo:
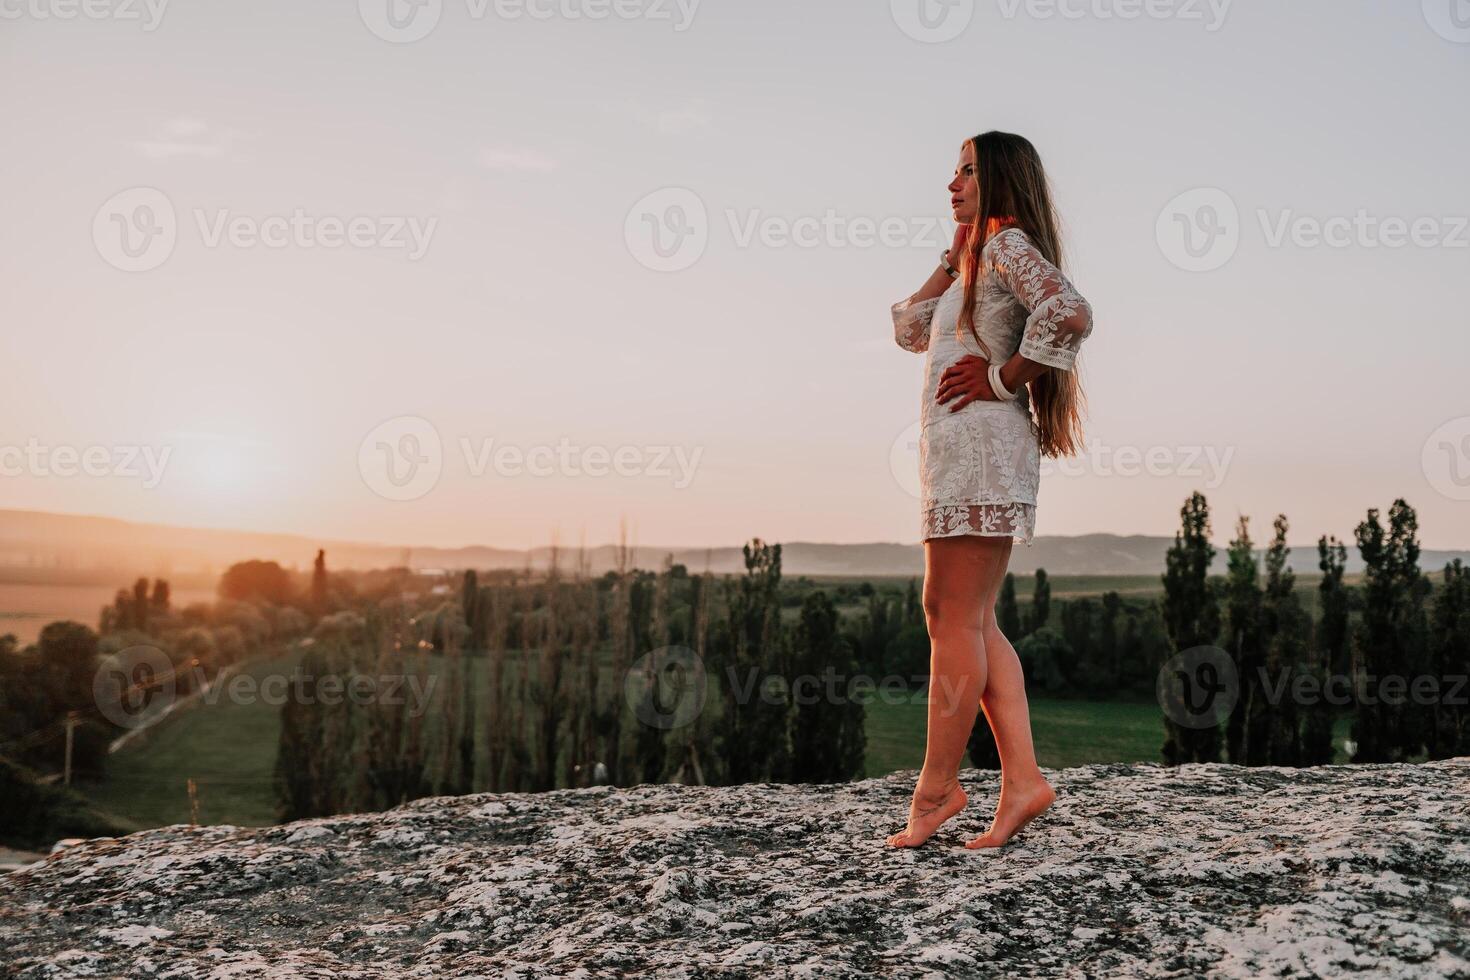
42 539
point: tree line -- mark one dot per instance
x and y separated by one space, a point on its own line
560 679
1392 655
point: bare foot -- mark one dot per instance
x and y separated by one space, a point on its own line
1018 806
928 809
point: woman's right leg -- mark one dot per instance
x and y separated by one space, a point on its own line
1024 791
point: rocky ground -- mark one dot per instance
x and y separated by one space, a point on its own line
1138 871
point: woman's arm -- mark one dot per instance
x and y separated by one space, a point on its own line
1058 320
939 282
912 317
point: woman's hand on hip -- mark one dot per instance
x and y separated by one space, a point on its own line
967 380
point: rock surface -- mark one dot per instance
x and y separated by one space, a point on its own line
1137 871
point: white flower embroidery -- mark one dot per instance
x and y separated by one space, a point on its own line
980 467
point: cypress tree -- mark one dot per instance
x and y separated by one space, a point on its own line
1191 618
1449 734
826 725
1246 730
1286 628
1040 602
1391 638
1008 610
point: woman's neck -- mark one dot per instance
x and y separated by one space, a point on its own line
997 225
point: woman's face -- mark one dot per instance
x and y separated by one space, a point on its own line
964 190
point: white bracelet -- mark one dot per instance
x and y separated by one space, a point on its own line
999 388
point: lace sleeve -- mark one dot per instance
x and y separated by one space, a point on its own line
1060 319
911 323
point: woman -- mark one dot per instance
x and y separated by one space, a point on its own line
1002 332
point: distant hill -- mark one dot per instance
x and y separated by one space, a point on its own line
37 544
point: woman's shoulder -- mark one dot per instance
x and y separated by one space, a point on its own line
1011 238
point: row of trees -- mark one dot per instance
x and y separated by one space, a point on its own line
261 609
562 679
1398 650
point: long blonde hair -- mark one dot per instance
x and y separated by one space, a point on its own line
1014 190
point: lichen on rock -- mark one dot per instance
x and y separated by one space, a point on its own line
1137 871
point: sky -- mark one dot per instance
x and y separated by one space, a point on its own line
508 271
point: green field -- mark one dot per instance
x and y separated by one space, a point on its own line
1067 733
227 748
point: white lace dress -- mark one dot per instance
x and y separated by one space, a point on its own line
980 467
